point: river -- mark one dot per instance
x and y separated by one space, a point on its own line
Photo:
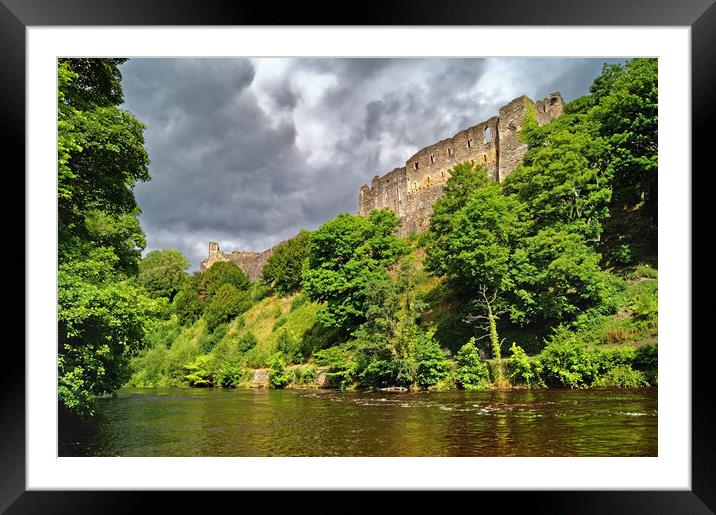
260 422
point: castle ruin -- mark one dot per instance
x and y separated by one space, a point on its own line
411 190
252 263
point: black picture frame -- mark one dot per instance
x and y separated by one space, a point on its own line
699 15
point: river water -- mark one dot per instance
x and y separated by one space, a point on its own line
260 422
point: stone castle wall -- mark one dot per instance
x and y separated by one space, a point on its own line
252 263
411 190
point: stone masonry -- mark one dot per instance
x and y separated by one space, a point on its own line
411 190
252 263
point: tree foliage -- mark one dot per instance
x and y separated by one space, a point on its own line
219 274
103 317
347 254
283 269
163 272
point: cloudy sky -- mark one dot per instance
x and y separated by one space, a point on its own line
247 152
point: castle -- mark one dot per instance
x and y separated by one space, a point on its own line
411 190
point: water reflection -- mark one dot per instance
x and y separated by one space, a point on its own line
202 422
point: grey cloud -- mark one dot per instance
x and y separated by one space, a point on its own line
227 168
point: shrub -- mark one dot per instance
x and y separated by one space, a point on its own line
208 340
279 323
522 369
247 342
230 375
472 372
304 374
431 363
289 346
198 373
227 303
646 358
298 301
565 364
624 254
647 272
622 376
278 376
341 367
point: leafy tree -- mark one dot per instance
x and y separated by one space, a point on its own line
226 304
472 372
556 276
432 366
187 303
480 244
284 268
465 178
279 377
102 324
103 317
564 182
219 274
289 346
163 272
347 254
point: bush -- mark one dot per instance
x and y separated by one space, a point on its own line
198 373
289 346
304 374
622 376
522 370
278 376
472 372
646 358
341 367
208 340
565 364
298 301
232 375
227 303
624 254
247 342
647 272
431 363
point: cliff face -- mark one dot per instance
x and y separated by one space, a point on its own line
410 191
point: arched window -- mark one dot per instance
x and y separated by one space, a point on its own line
488 134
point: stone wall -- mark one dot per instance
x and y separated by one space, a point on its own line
410 191
252 263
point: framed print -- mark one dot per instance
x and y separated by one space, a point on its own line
326 102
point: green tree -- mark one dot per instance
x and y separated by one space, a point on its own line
163 272
432 366
283 269
480 244
187 303
226 304
465 178
347 254
219 274
103 317
556 276
472 372
564 182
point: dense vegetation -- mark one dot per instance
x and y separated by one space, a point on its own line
546 280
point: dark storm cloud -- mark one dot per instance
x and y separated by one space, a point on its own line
248 152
